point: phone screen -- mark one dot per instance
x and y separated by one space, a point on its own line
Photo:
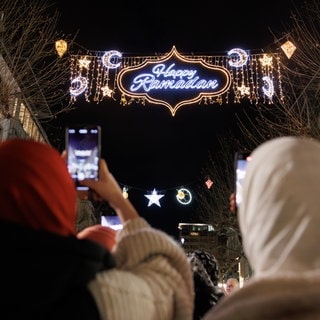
83 147
112 222
241 161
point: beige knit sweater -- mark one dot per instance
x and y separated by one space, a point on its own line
292 298
153 278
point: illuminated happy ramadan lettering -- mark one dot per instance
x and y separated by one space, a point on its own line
181 79
174 80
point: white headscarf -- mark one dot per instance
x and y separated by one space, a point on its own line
280 213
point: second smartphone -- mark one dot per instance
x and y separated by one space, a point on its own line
83 147
240 163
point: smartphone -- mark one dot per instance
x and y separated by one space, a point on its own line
83 147
112 222
241 162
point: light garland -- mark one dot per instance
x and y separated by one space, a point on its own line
183 195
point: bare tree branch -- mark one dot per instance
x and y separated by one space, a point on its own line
27 44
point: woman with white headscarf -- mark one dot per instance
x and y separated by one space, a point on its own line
279 220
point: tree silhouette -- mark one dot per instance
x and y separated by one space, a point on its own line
27 46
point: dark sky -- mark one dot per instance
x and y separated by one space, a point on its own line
145 147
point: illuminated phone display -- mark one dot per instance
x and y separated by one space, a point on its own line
83 153
241 162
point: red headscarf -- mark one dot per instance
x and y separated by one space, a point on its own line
36 189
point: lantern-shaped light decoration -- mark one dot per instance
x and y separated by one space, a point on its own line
61 47
288 48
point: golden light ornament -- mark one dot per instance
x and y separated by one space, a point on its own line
244 90
180 194
125 192
61 47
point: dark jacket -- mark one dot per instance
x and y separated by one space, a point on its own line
45 276
205 275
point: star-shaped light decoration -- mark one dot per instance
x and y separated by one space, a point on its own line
154 198
266 60
244 90
84 62
106 91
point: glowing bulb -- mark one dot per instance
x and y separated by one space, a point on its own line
180 194
125 192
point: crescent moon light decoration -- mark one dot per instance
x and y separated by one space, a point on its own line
78 86
242 57
107 59
268 90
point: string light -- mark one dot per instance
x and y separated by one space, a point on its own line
183 195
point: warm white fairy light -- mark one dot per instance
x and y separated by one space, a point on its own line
123 100
244 90
266 60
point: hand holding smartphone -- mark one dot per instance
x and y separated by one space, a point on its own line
83 147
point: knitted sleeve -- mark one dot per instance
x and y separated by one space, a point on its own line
153 278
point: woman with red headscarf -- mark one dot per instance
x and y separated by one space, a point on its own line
49 272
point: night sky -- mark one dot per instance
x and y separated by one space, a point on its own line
146 147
